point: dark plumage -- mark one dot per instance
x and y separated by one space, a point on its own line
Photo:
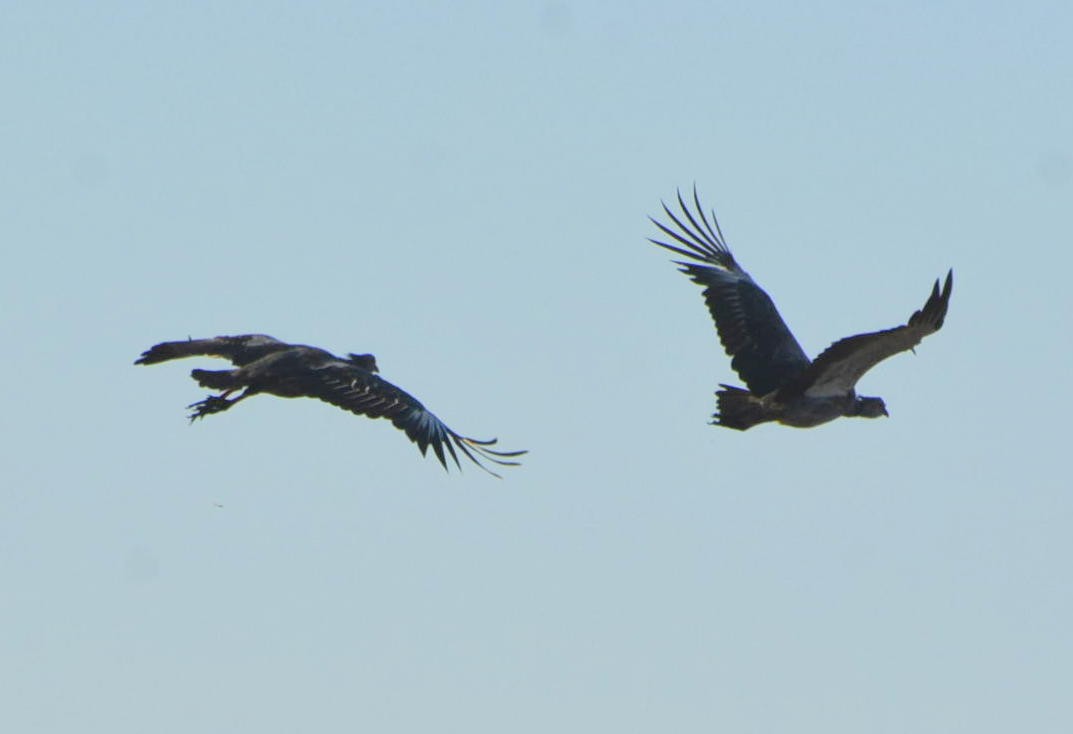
267 365
784 386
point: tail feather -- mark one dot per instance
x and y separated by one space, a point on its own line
738 409
216 379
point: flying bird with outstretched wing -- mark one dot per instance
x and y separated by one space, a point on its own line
784 386
266 365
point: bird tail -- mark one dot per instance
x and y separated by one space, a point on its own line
738 409
216 379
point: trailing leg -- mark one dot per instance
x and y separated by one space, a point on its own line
215 404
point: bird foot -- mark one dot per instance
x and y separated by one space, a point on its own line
211 404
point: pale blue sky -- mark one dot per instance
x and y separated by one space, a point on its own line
462 189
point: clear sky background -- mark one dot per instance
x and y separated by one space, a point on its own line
462 189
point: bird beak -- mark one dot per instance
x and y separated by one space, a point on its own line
885 411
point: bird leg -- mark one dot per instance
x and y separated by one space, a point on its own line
214 404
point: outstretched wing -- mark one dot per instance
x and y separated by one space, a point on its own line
355 389
241 350
763 350
836 371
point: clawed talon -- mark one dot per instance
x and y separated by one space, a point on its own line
211 404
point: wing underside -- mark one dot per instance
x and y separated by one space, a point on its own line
762 348
364 393
837 370
240 350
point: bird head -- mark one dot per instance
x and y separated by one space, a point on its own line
365 361
871 407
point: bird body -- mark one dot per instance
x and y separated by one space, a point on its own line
283 373
264 364
741 409
784 386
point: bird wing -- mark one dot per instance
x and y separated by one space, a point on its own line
241 350
763 350
352 388
836 371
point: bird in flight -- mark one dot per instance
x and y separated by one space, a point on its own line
784 386
266 365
